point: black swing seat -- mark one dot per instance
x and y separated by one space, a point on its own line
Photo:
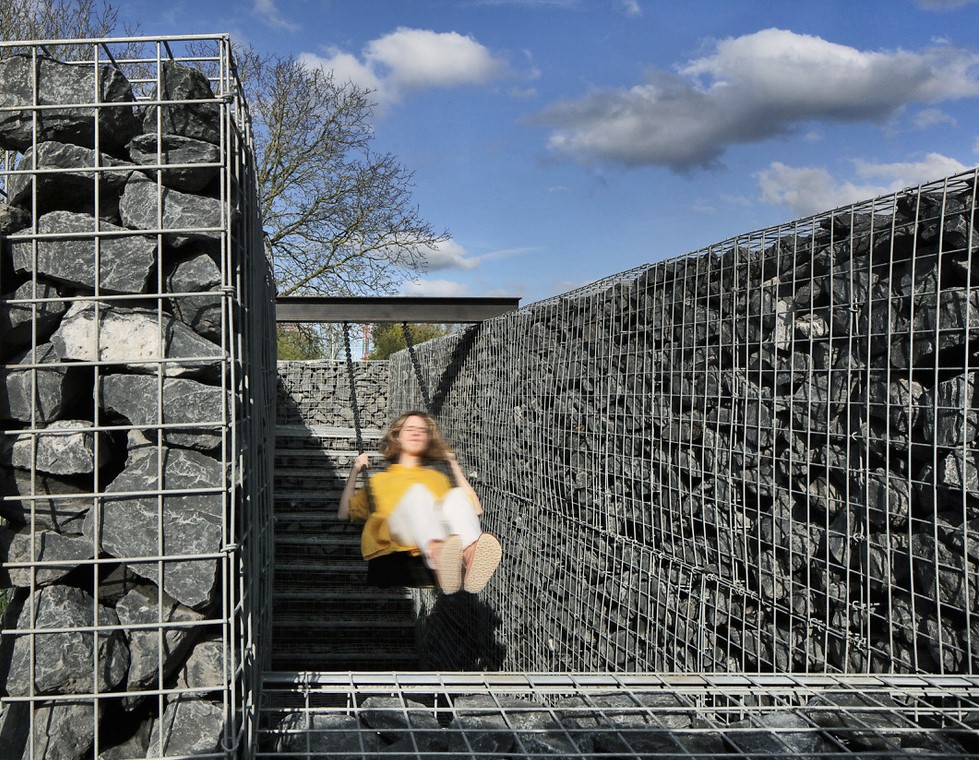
399 569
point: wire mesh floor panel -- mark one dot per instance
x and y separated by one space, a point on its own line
517 715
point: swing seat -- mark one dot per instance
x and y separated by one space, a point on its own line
400 569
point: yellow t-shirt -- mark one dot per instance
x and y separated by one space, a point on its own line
387 489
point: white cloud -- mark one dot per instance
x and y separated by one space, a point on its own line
269 12
448 255
412 59
809 190
345 67
436 288
752 88
630 7
930 117
975 147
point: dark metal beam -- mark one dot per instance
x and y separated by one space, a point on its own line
366 309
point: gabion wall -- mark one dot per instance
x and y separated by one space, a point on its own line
136 399
761 456
317 393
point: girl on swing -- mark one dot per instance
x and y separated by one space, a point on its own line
417 510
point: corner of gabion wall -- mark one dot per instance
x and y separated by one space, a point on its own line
131 247
761 456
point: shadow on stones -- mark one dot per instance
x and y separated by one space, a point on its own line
452 368
460 633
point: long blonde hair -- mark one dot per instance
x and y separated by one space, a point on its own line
437 448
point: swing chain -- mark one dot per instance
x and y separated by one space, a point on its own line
356 411
422 385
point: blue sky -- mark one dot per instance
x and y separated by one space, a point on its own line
560 141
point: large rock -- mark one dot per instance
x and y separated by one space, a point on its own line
15 724
187 727
143 606
192 522
38 395
194 162
13 219
73 87
137 398
182 217
132 338
208 666
951 411
62 730
339 737
65 177
15 318
200 121
201 313
124 262
63 662
48 546
52 502
62 448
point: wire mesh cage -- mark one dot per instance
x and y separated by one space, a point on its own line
136 315
760 457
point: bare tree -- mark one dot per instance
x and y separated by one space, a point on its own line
59 19
339 217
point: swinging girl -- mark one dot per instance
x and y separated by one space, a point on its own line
417 509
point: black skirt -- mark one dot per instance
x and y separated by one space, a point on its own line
399 569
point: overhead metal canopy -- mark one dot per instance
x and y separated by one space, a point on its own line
365 309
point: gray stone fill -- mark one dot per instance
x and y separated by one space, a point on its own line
151 207
192 522
149 150
124 262
63 661
63 730
136 397
187 727
202 313
337 736
55 509
132 338
13 219
48 546
15 318
142 606
208 666
62 181
61 448
200 121
39 394
59 84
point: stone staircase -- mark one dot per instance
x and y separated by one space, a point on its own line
325 616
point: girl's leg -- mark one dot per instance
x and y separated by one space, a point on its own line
416 522
481 551
460 517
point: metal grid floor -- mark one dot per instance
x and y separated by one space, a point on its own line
523 715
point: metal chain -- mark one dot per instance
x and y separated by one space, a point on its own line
356 412
422 385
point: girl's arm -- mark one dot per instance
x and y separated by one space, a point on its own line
460 477
360 463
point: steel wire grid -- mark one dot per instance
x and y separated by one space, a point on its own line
758 457
99 712
626 716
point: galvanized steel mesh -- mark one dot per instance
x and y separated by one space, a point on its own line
757 457
139 592
643 716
